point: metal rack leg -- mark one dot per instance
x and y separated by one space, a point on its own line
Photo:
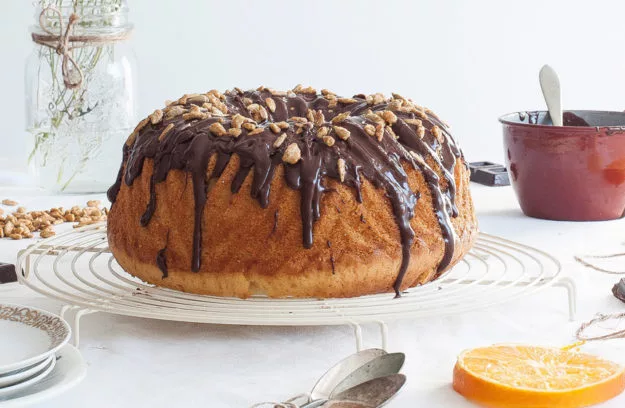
383 334
358 335
76 321
571 289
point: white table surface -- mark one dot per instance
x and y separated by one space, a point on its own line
137 362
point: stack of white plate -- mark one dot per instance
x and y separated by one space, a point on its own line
30 341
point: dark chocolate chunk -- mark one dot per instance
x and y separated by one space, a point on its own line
619 290
489 174
7 273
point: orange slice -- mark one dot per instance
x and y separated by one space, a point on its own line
533 377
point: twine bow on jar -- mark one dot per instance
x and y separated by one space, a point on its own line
64 43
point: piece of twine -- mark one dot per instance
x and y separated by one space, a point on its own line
587 264
64 43
616 334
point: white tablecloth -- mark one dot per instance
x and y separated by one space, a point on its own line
149 363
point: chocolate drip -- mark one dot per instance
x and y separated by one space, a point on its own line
192 142
161 260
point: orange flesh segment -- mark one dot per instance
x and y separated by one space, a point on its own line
530 376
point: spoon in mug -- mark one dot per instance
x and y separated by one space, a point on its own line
550 85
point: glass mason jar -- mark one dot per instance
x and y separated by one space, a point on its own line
80 93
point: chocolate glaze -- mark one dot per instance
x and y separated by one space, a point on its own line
190 145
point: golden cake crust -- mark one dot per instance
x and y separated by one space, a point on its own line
249 250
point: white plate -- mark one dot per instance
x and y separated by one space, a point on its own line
20 375
29 381
29 336
69 371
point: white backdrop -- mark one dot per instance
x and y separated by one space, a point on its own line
470 61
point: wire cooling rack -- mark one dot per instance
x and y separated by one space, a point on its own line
78 269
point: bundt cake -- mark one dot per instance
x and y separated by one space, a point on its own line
347 196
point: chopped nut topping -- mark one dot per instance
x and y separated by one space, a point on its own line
248 126
194 113
376 99
292 154
323 131
271 104
391 132
197 99
274 128
15 236
374 118
260 88
420 132
310 115
396 104
217 129
183 99
256 131
278 142
165 132
347 100
282 125
298 119
299 130
417 122
389 116
93 204
142 124
379 131
333 101
340 117
235 132
174 111
341 132
421 114
436 131
156 117
342 169
238 120
407 108
308 90
277 93
258 112
397 96
319 119
247 101
10 203
370 129
326 93
328 140
217 103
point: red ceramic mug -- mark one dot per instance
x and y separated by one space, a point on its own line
575 172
